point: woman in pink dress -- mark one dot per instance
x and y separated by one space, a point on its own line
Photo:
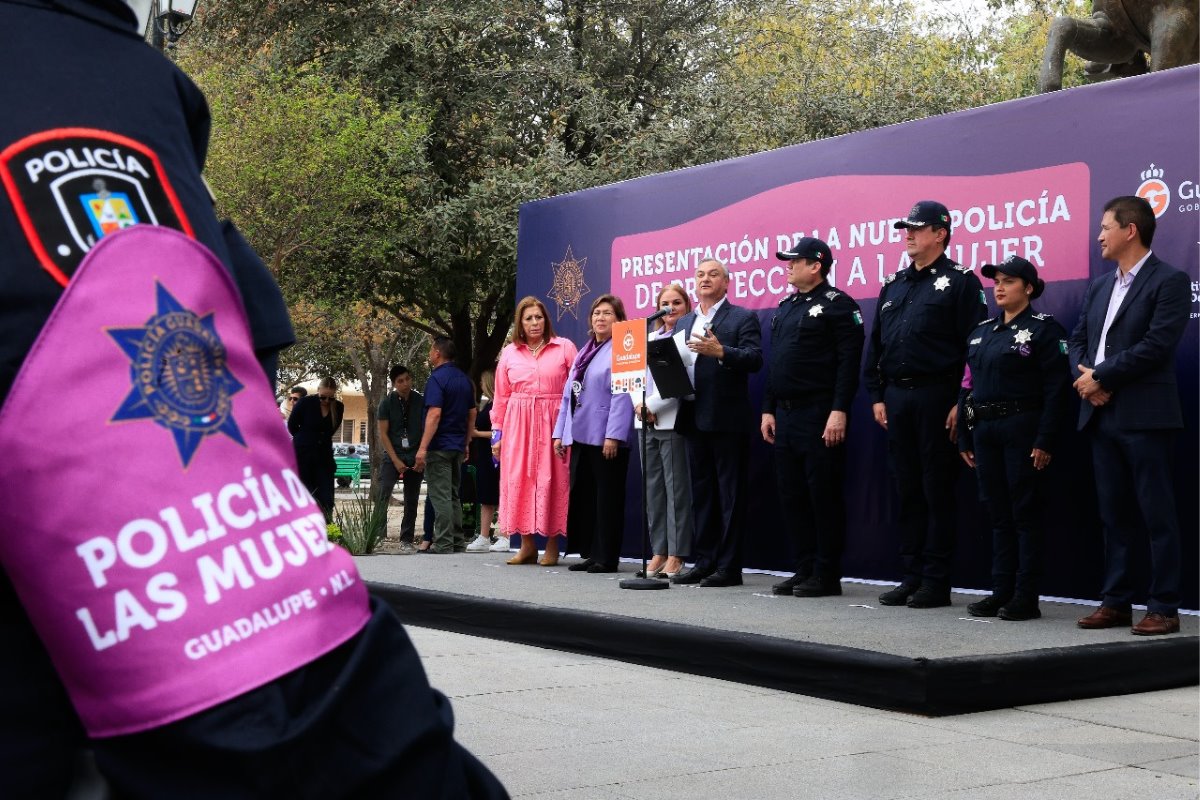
534 481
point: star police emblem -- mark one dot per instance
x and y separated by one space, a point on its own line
568 287
816 310
179 375
1023 337
941 283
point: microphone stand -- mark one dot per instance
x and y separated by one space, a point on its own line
645 583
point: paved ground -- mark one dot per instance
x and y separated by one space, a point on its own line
561 726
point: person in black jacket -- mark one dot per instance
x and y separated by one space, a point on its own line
727 344
913 368
1013 408
816 347
312 423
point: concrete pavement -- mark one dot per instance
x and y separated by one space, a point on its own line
561 726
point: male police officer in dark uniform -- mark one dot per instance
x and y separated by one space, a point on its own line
89 107
1012 408
913 369
816 347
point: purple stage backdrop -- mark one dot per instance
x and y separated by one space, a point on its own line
1027 177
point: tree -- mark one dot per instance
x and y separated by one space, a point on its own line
524 99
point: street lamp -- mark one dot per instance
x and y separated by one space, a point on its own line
171 19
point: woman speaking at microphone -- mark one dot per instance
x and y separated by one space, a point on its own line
597 426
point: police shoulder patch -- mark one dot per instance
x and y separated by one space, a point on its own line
70 187
832 294
961 268
1043 316
890 278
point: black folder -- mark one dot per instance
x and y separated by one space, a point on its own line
670 375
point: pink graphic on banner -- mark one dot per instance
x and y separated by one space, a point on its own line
1042 215
175 560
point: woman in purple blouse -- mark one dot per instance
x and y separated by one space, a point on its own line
597 426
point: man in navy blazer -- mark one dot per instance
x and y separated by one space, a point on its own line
1123 349
727 344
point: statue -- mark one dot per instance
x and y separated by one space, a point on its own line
1117 36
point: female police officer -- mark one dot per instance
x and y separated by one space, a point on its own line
1014 401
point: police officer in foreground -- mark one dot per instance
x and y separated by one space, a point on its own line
816 346
1013 406
99 134
913 370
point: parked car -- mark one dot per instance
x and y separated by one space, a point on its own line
348 449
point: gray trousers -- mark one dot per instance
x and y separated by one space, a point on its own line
668 493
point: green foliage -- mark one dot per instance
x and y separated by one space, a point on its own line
378 151
362 521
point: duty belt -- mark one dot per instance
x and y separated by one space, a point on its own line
918 381
1005 408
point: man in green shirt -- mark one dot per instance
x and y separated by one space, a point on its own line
401 421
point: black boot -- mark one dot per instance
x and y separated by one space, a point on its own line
1021 608
989 606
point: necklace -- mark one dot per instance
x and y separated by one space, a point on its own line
533 351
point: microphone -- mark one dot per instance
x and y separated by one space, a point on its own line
657 315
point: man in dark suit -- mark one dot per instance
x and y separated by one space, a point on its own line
727 345
1124 351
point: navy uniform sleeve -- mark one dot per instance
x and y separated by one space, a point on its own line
848 331
769 395
972 305
1051 353
871 372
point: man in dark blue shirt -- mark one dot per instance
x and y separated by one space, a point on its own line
913 369
449 421
816 347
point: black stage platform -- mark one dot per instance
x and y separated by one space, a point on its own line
933 662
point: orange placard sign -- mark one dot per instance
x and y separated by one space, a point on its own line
629 356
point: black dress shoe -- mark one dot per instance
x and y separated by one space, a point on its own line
787 587
598 568
987 607
817 587
929 597
723 578
582 566
898 596
693 575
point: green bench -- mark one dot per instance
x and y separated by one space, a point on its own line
348 467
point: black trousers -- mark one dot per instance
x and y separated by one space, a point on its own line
924 466
412 495
316 468
1012 490
719 476
811 481
596 514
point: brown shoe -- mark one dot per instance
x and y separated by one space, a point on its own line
1155 624
1106 617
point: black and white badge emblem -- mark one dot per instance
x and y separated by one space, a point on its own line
70 187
